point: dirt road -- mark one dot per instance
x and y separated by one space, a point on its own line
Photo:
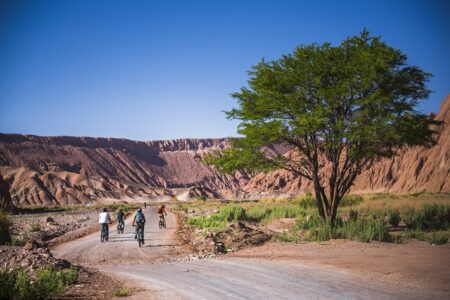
236 278
221 278
123 248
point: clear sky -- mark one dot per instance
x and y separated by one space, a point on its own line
150 70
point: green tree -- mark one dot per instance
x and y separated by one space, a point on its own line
337 108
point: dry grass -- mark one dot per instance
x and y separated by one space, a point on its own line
393 201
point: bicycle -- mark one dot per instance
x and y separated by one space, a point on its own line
162 222
104 233
120 227
140 234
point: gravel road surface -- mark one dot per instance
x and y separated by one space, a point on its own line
220 278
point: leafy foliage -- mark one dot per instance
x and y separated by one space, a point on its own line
121 292
47 284
348 105
394 217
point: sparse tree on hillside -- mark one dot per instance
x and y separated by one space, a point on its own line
341 107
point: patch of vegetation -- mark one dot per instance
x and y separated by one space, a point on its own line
351 200
394 217
47 284
35 227
212 222
430 216
363 230
438 238
121 292
5 225
202 198
358 222
383 196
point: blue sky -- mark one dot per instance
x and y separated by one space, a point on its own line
150 70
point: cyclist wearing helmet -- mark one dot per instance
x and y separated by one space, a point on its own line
120 218
162 211
138 221
104 219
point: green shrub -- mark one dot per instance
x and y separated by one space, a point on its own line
211 222
411 217
232 213
430 216
438 238
201 198
323 232
307 201
394 217
7 283
309 221
35 227
415 234
121 292
5 224
350 200
353 215
435 216
363 230
48 283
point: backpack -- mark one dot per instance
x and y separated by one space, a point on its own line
139 217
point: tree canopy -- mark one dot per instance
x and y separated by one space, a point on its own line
343 106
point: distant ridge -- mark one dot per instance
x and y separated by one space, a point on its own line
69 170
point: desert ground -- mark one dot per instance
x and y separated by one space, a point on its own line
166 267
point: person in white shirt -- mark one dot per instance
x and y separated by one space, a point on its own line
104 219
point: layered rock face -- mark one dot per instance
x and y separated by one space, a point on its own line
69 170
414 169
72 170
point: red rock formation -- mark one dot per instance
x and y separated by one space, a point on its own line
52 170
414 169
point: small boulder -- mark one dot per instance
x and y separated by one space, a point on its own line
50 220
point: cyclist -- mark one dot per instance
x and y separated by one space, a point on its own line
120 218
138 221
162 212
104 219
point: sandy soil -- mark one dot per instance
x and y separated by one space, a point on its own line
415 264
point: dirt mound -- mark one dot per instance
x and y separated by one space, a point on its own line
31 258
237 236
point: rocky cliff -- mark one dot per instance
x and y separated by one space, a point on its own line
65 170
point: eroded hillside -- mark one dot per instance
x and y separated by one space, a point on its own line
66 170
